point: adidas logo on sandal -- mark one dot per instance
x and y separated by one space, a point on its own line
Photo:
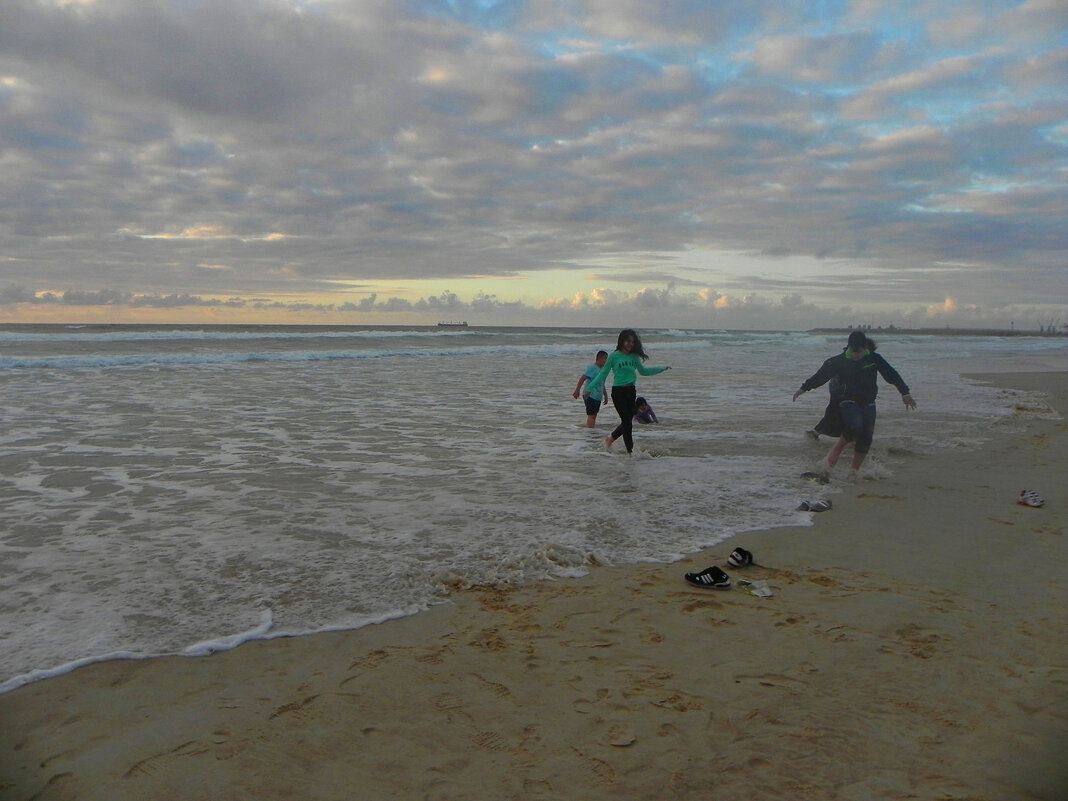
1030 498
711 577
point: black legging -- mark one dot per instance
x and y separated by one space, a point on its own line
623 399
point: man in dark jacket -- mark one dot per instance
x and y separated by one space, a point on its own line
856 368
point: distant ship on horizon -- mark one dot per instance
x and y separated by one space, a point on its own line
453 325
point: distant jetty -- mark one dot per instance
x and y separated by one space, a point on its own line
453 325
1051 331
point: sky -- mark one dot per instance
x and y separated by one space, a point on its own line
739 164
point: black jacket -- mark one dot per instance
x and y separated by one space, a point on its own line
856 379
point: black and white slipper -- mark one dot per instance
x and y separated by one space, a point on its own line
1030 498
814 506
740 557
711 577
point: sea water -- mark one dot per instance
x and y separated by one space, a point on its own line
178 490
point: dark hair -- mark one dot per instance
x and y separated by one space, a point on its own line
638 350
857 341
601 353
639 402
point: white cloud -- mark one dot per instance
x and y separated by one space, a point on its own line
310 148
816 59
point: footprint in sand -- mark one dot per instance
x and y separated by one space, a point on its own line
653 680
490 740
496 688
565 621
157 762
776 681
369 661
489 639
447 702
583 706
598 767
701 605
668 730
919 642
434 656
653 636
292 707
680 702
451 705
621 734
224 748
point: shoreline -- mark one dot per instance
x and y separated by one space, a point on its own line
950 332
869 674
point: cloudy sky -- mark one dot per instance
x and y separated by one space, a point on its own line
697 163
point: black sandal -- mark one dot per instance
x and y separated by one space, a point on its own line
740 557
711 577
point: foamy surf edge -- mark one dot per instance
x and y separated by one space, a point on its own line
263 631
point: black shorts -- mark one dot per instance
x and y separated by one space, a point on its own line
592 406
858 424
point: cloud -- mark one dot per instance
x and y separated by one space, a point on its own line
272 150
816 59
885 97
948 306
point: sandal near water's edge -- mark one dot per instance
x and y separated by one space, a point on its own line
711 577
1030 498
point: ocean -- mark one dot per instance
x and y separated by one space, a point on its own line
183 489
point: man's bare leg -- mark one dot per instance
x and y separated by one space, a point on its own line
836 451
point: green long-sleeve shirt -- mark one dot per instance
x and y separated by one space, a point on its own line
624 368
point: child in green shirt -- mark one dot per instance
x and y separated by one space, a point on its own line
625 363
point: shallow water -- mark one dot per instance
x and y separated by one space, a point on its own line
179 490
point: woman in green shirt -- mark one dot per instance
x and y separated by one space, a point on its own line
625 363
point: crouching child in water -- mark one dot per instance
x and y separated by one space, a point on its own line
644 412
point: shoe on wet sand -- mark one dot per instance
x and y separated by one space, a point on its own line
711 577
1030 498
740 557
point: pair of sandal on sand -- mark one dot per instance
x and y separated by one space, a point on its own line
714 578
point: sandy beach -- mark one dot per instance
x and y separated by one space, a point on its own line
914 648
